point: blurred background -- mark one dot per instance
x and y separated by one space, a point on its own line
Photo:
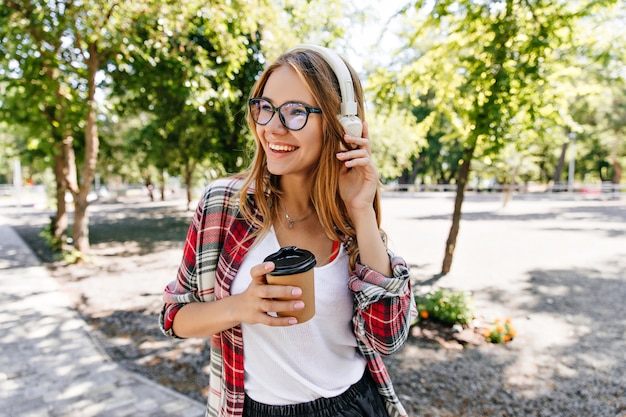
105 100
509 115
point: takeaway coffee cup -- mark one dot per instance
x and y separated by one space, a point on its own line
294 266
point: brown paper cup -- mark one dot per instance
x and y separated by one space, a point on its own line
306 282
295 266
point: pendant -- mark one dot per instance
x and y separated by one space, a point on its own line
291 222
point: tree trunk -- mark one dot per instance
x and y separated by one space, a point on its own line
416 166
456 216
80 230
150 189
559 167
189 169
510 188
163 185
188 185
66 179
59 222
617 172
617 168
81 219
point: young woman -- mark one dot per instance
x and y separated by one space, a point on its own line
313 186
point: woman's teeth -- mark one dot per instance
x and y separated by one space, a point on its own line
281 148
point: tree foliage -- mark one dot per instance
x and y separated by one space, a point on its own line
188 76
153 88
176 73
492 72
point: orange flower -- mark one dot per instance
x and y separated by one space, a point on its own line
424 314
499 328
507 338
512 332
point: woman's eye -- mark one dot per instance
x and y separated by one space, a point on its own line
297 111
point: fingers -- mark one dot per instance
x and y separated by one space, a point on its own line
269 317
258 272
360 155
269 306
360 152
278 292
265 299
366 130
357 143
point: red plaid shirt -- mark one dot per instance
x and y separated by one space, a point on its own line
214 250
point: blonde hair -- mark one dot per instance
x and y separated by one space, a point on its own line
322 82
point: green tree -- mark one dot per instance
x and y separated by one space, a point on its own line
37 93
486 67
188 72
395 139
54 52
599 102
191 77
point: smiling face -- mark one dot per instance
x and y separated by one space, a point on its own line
290 152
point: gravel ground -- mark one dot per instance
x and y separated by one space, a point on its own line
556 267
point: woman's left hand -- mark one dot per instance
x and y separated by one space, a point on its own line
358 178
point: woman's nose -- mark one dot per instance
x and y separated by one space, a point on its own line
275 125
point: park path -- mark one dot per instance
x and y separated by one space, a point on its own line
50 366
555 264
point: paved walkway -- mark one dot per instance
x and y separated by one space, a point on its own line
50 366
556 266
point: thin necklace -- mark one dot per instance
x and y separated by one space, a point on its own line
291 222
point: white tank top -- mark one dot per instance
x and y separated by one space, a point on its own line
318 358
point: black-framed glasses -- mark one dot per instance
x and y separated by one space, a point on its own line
292 115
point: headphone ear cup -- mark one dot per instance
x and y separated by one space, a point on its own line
352 125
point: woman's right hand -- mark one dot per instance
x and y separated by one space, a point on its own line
261 298
251 306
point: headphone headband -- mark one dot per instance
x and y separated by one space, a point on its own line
348 103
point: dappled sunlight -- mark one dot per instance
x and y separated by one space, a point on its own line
557 271
51 365
572 332
534 369
142 229
547 331
570 325
132 336
47 340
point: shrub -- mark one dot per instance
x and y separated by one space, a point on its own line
62 252
447 306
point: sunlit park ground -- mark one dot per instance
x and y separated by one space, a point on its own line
554 263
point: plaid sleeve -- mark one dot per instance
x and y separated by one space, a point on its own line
385 306
185 288
195 280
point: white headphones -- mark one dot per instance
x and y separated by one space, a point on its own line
348 116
